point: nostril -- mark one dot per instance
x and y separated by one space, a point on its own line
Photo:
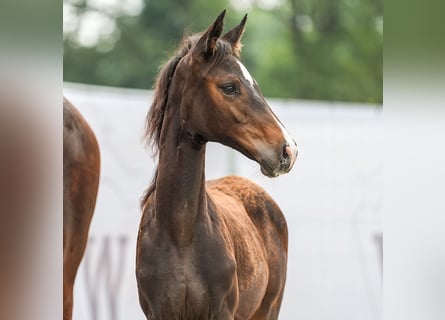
287 152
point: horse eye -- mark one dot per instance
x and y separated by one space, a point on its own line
228 89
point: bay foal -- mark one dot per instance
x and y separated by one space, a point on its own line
215 250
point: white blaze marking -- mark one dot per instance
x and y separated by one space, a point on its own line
246 73
288 139
286 135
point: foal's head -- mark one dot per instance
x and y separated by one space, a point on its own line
218 100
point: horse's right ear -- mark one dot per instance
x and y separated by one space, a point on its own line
207 43
234 35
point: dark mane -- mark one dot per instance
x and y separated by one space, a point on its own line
155 116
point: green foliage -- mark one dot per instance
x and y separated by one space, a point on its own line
324 49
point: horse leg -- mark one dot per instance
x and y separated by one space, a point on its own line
71 261
67 299
68 286
75 240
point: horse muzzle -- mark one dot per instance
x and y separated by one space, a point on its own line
286 159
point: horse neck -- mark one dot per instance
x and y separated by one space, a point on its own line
180 196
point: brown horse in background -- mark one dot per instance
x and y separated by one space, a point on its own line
215 250
81 166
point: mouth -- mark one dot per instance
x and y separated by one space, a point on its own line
267 170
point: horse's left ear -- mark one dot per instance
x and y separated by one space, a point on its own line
207 43
234 35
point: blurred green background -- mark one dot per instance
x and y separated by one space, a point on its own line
304 49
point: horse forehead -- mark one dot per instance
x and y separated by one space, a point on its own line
245 73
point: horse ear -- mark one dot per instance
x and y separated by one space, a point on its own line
207 43
234 35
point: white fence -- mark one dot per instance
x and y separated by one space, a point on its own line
331 199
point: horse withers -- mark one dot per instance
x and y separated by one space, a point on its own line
215 250
81 166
